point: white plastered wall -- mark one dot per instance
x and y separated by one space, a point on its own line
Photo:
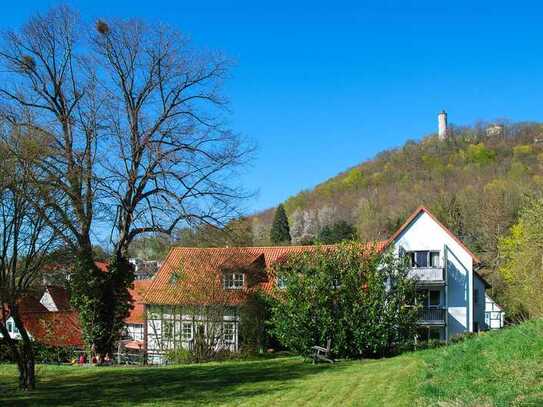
424 233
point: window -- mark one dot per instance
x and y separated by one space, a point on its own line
281 282
168 330
186 331
229 332
435 297
233 280
434 259
10 326
425 334
423 258
135 331
230 312
430 298
411 259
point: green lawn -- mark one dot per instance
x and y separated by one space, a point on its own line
496 369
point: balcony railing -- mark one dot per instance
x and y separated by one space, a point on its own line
432 316
428 274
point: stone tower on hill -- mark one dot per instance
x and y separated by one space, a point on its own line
443 130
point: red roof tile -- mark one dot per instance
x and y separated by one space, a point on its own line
137 291
29 303
54 328
198 272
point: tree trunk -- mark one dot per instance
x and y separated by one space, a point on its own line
22 355
25 356
27 371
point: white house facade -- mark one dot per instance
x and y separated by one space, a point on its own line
445 269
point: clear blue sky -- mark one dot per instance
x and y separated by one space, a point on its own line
323 86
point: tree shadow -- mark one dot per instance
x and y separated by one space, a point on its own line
217 383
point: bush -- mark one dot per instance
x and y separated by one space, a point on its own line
178 356
43 353
358 300
186 356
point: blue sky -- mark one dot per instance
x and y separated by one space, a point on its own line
323 86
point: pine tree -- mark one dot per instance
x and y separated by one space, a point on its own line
280 231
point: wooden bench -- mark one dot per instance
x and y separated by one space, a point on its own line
322 354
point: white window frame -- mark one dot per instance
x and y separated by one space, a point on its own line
168 325
184 336
229 334
281 283
233 280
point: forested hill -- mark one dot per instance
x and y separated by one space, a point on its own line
473 182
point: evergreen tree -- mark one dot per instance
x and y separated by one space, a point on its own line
338 232
280 231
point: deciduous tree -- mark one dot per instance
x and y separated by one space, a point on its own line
26 241
360 300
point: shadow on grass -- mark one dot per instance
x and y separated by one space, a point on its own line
195 384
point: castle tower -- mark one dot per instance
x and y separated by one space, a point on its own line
442 125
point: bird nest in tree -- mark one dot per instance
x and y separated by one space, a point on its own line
102 27
28 63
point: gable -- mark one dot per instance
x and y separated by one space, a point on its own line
423 231
47 301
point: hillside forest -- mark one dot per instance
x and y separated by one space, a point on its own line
477 182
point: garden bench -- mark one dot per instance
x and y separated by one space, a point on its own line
320 353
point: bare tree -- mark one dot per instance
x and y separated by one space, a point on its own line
26 241
49 89
171 159
139 98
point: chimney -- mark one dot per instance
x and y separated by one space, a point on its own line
442 125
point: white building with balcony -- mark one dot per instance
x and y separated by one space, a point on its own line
452 291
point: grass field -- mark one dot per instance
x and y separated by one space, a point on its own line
495 369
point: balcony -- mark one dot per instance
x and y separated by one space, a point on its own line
432 316
428 275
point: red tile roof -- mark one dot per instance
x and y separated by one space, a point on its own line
54 328
29 303
194 275
136 292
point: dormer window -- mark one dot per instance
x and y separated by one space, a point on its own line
233 280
